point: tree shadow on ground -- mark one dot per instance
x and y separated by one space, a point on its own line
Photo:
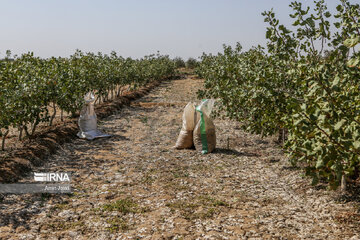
352 194
100 141
22 216
234 152
17 218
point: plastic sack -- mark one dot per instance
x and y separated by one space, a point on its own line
204 132
185 139
88 121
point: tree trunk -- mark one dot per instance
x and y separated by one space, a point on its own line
53 115
34 126
282 135
62 115
118 91
21 128
26 131
343 183
3 140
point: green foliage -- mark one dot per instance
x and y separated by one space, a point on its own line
297 85
29 84
179 62
191 63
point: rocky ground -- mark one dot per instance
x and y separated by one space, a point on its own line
136 186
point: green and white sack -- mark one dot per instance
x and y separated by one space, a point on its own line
204 132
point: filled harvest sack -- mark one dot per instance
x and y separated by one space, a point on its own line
204 133
185 139
88 121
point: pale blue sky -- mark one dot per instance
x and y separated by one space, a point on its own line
184 28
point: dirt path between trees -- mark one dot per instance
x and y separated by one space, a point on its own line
136 186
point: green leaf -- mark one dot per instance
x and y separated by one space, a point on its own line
336 81
327 14
319 163
351 42
357 144
339 124
315 180
353 62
